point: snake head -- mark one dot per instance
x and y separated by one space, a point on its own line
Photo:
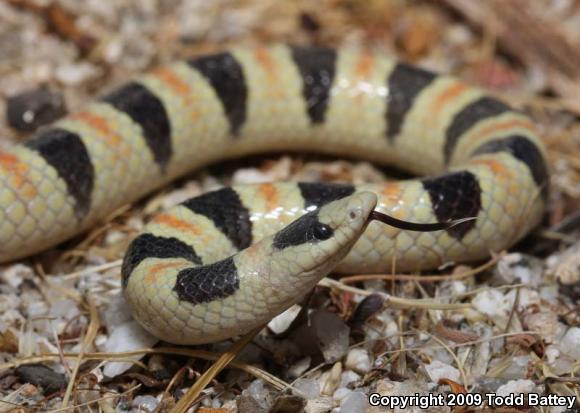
313 244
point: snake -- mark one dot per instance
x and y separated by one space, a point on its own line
227 261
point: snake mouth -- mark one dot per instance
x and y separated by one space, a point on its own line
328 262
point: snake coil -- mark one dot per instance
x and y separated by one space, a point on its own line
216 264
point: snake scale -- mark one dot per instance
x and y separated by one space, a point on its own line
222 263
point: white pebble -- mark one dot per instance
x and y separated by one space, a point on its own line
255 398
116 313
355 402
309 388
126 337
550 293
438 370
570 343
491 303
358 360
299 367
458 287
15 274
564 266
341 393
521 268
282 321
319 405
348 377
114 236
524 298
76 74
561 363
545 323
64 308
113 51
144 404
516 386
552 352
401 388
250 176
517 369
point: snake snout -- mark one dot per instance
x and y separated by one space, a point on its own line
360 207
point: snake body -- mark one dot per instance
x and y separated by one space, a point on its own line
222 263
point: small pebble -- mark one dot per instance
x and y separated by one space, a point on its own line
320 405
250 176
39 375
570 343
15 274
358 360
332 334
65 308
487 384
348 377
29 110
551 353
309 388
438 370
299 367
116 313
367 308
493 304
355 402
287 403
519 268
282 321
88 396
330 380
144 404
76 74
518 369
516 386
126 337
565 266
546 324
256 398
341 393
524 297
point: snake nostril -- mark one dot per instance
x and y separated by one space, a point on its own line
352 214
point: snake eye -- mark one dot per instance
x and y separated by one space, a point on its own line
322 231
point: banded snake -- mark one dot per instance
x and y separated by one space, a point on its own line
222 263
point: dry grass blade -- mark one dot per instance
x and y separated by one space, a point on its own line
395 301
455 387
73 377
95 269
124 356
193 393
452 354
451 346
456 336
88 339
